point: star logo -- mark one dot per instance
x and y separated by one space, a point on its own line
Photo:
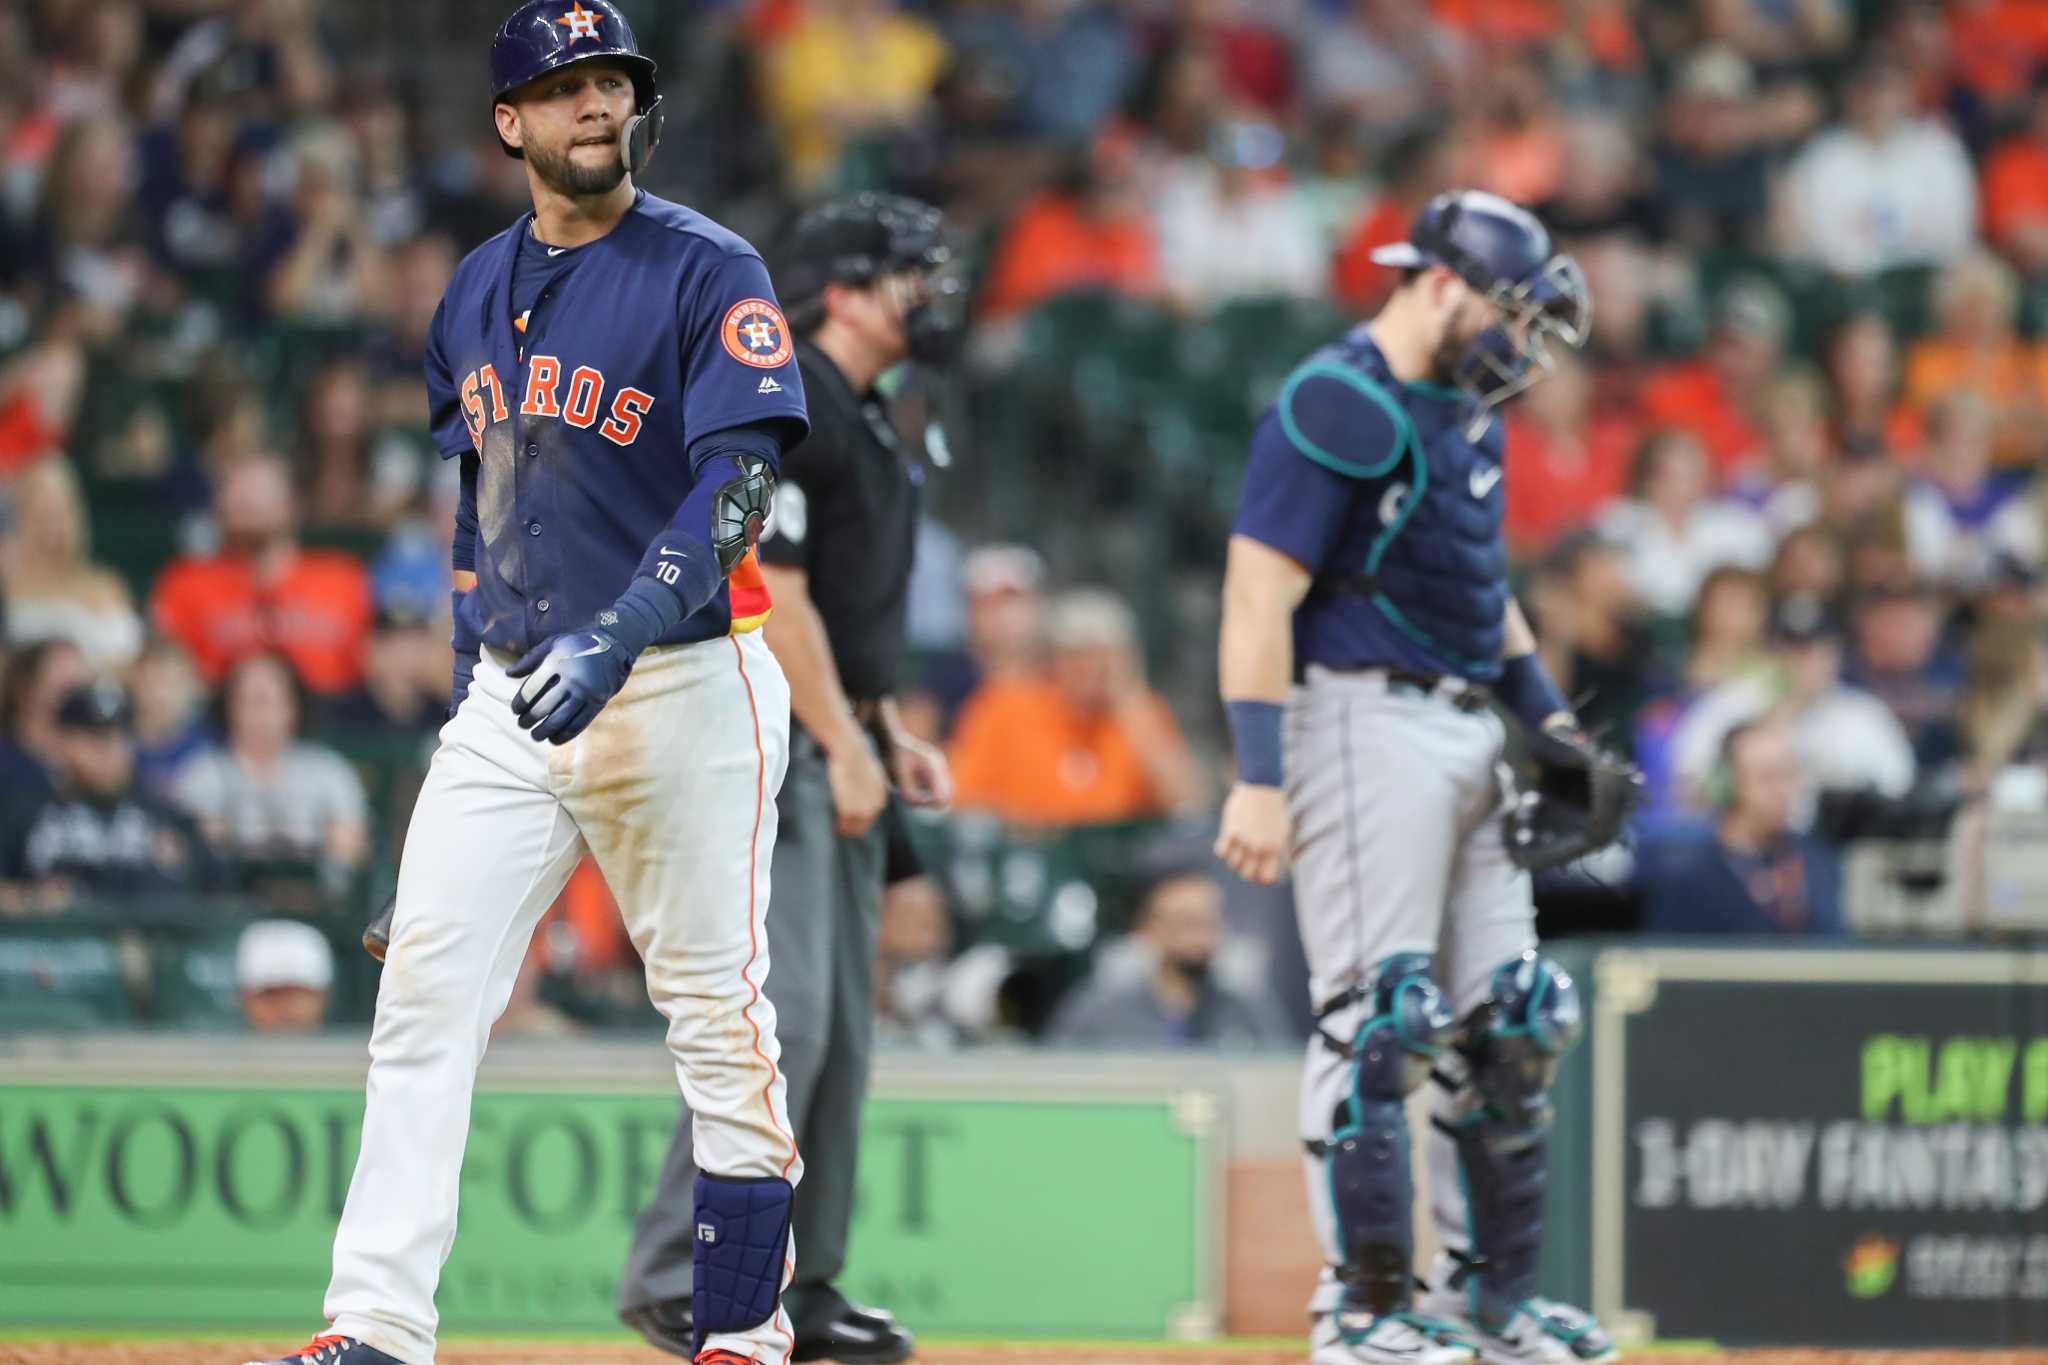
580 22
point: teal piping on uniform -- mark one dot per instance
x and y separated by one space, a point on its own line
1408 443
1358 383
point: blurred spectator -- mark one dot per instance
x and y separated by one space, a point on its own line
1519 147
97 835
1672 531
1417 167
1231 227
1386 61
2016 188
262 592
1787 487
846 70
1713 395
52 586
1751 872
1713 154
269 795
1951 506
1724 640
1898 655
1808 564
1864 375
1787 32
323 269
1070 63
396 355
1977 350
1085 232
352 475
405 687
1846 740
1564 459
393 202
284 971
39 676
930 998
1005 632
170 714
1590 636
1089 743
1165 993
1882 188
1252 59
266 53
2003 719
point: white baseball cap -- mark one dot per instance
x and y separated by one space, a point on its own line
280 952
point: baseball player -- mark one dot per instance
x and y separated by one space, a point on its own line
862 276
1366 623
619 383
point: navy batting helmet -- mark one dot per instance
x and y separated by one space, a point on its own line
547 35
1504 253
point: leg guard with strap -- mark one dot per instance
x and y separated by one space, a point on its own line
1372 1187
1509 1046
742 1245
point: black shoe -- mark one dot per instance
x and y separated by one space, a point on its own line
858 1336
666 1325
377 938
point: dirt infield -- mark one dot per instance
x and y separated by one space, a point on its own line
190 1353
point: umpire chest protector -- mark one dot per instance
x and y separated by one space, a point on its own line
1426 547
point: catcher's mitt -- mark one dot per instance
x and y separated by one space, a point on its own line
1581 799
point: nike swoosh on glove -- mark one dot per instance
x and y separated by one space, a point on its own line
568 680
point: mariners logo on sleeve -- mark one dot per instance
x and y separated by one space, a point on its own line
756 334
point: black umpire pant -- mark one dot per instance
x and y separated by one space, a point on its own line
824 910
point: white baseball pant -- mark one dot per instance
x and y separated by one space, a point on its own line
672 789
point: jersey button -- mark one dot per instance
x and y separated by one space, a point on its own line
532 450
533 528
541 605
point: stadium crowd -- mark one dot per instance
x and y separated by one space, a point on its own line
1779 525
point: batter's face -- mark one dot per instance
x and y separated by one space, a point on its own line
568 124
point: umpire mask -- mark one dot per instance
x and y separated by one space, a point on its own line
869 238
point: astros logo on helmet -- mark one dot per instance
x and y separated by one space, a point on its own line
580 22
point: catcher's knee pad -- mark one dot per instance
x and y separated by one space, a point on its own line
1406 1026
742 1246
1510 1047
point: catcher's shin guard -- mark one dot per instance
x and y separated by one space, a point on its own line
1371 1184
742 1249
1509 1048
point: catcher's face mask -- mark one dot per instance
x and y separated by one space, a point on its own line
1551 308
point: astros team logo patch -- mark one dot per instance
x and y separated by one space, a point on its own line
756 334
580 22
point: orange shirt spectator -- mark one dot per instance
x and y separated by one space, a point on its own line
1995 45
262 593
1056 243
2015 189
1559 478
1977 350
1087 744
1692 396
1359 283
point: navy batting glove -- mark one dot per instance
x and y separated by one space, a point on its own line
568 680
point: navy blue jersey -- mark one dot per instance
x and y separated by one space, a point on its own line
1373 486
584 402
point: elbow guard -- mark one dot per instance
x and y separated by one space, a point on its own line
739 511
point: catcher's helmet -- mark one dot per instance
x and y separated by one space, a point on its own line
862 237
547 35
1503 252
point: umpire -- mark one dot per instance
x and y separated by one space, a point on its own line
861 278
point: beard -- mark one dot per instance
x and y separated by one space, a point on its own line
560 172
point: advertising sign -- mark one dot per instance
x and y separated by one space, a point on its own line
175 1207
1823 1148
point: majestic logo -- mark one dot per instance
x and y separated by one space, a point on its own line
768 385
1483 481
756 334
581 23
1871 1266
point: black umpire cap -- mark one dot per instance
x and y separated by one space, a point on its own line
855 239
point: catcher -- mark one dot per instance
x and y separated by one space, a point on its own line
1367 627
